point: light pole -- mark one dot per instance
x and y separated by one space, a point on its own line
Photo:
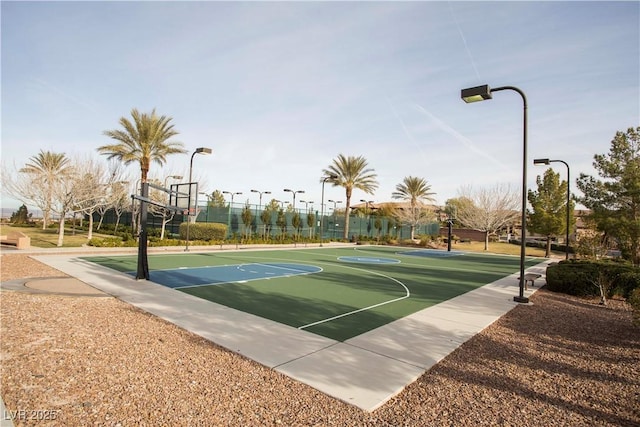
208 196
306 209
325 179
230 206
288 190
366 205
260 207
199 150
261 193
547 162
306 205
334 215
171 177
482 93
367 212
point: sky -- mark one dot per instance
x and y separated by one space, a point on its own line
278 89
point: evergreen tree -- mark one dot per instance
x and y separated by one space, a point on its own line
22 216
614 200
549 204
281 222
296 222
217 200
247 219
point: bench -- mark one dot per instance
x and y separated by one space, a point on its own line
530 277
17 239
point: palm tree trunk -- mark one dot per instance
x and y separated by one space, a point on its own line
347 212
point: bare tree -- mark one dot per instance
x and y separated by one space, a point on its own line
121 202
490 210
414 215
92 187
34 183
593 244
161 198
115 192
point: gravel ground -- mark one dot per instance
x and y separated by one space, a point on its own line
562 361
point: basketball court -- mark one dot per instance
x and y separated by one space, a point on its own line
358 323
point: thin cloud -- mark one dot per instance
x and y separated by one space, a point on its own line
48 86
464 140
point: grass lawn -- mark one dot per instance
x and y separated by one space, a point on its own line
501 248
48 238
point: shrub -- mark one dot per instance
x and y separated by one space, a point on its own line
627 282
204 231
424 241
110 242
634 300
156 242
580 277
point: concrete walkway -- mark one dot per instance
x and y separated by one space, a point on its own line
364 371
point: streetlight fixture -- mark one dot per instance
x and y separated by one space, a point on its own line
261 193
366 205
306 205
325 179
288 190
335 202
230 206
260 207
547 162
237 193
171 177
199 150
482 93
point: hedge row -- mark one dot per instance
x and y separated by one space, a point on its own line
204 231
580 277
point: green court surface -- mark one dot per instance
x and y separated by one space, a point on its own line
338 293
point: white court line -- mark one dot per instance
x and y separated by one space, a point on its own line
320 269
407 295
238 266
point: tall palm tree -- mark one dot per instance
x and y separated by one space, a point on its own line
352 172
47 168
416 191
145 140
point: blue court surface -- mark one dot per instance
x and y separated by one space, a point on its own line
189 277
431 253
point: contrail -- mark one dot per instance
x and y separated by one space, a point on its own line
464 41
464 140
405 130
60 92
